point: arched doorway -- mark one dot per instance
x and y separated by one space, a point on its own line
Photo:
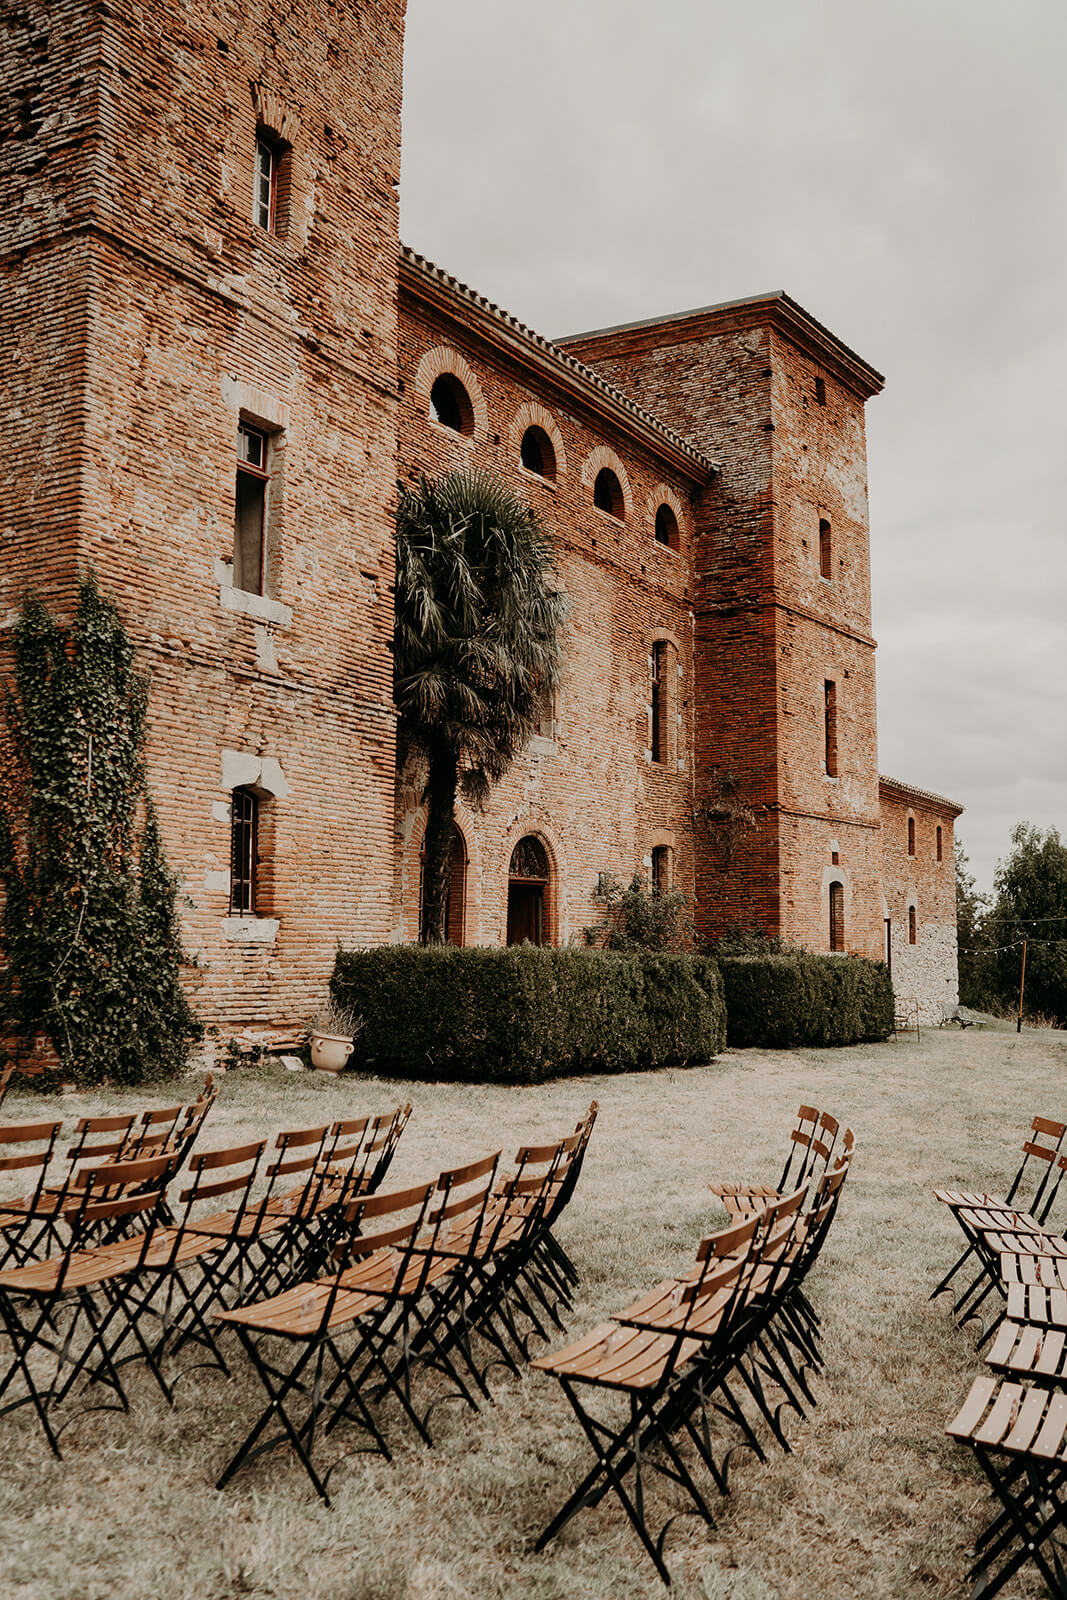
455 913
528 878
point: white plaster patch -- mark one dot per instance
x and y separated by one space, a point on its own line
239 770
272 778
266 659
250 930
221 811
217 882
255 605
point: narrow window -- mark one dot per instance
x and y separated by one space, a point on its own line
545 726
536 453
250 510
456 894
450 405
826 569
265 191
837 916
667 527
830 726
661 869
244 835
607 493
939 841
912 933
660 703
820 391
911 836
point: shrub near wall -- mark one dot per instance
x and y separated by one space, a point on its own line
798 998
523 1014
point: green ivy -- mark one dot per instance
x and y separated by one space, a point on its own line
89 934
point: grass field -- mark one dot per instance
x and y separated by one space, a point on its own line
872 1502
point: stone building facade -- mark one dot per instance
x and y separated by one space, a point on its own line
216 361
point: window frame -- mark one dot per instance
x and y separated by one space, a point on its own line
244 842
659 732
830 750
837 917
826 550
266 147
259 474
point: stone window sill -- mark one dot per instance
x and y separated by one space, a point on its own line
250 930
260 606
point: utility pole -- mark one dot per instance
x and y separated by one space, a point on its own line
1022 980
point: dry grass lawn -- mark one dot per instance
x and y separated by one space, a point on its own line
872 1502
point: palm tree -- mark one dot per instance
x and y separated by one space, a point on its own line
476 647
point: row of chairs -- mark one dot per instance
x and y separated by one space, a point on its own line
1015 1416
125 1268
736 1331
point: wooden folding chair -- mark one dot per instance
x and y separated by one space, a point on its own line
1029 1200
1018 1434
811 1147
85 1282
316 1346
25 1148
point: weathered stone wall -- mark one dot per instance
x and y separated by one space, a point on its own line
925 971
146 315
591 792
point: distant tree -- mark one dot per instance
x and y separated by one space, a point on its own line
1031 903
476 647
971 911
90 947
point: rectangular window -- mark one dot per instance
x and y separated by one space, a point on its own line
826 568
265 189
913 932
830 726
250 509
837 916
661 739
244 829
661 869
939 844
911 836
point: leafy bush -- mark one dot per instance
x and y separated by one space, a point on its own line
640 919
90 944
522 1014
788 998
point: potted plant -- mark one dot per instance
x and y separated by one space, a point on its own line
333 1031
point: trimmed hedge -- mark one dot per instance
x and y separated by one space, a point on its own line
799 998
522 1015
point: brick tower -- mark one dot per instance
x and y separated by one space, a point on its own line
785 661
198 266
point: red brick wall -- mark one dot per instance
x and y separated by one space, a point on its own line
591 793
136 259
926 971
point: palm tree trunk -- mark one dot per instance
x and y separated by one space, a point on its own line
440 826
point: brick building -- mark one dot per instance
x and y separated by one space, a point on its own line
216 360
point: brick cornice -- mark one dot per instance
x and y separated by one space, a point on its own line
506 335
907 791
777 311
773 602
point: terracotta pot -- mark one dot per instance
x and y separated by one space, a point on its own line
330 1052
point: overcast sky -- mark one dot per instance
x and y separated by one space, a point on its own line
899 169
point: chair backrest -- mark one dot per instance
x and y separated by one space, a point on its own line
228 1174
359 1151
1040 1168
300 1153
152 1133
192 1120
27 1148
99 1139
811 1146
455 1221
119 1192
571 1172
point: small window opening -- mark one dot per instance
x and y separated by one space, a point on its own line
835 858
667 527
450 405
607 493
250 509
820 391
837 916
661 869
660 703
545 726
830 726
456 894
911 836
913 936
826 555
536 453
244 840
938 840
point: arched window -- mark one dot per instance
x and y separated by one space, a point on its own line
837 916
536 453
456 899
666 527
913 932
826 555
528 882
661 869
450 405
244 842
911 836
607 493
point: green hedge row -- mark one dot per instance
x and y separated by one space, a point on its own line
799 998
522 1015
